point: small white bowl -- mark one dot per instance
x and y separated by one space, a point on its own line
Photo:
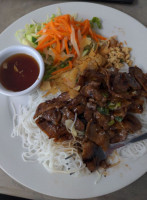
18 49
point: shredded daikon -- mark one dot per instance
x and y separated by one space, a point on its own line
41 38
79 35
70 126
73 41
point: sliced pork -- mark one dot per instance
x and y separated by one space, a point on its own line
100 115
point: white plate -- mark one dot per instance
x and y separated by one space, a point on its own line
33 175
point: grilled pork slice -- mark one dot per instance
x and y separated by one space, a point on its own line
92 155
58 132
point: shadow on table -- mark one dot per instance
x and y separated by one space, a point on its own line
6 197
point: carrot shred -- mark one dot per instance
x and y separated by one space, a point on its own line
101 37
70 64
61 70
66 46
58 45
45 45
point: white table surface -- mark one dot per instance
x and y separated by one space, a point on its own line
11 10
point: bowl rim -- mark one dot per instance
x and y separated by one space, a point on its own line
18 49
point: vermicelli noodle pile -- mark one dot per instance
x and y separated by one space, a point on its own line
134 150
137 149
55 156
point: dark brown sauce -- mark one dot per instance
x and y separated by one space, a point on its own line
19 72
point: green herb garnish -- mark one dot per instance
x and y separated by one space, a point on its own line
62 65
121 60
48 72
111 122
86 50
114 106
103 110
95 20
77 79
53 16
34 40
105 94
118 118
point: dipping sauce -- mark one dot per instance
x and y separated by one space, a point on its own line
19 72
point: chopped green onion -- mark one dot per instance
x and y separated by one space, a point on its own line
65 63
95 46
111 122
97 21
114 106
103 110
105 94
48 72
47 75
88 47
77 79
118 104
62 65
34 40
86 50
118 118
121 60
53 16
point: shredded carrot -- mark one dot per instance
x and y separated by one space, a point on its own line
46 37
45 45
58 45
58 57
62 31
86 26
100 37
61 70
66 46
70 64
